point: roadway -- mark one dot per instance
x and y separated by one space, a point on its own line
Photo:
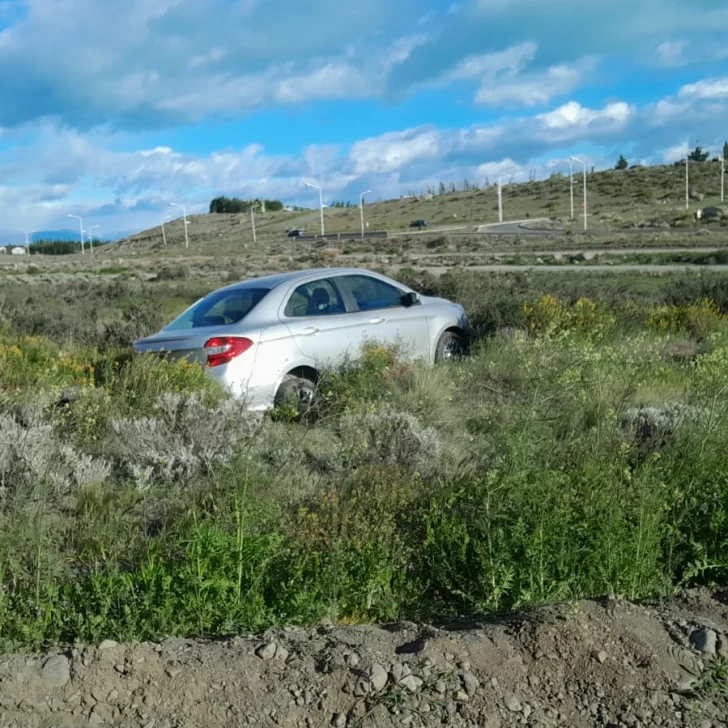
568 268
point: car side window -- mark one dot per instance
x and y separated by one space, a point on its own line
317 298
370 293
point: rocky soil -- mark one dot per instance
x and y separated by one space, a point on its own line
592 663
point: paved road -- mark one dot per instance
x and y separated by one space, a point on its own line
502 268
517 227
577 251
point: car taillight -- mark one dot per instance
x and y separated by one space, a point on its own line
223 349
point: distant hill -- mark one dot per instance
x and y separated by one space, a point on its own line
640 196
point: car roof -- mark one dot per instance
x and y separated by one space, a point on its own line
277 279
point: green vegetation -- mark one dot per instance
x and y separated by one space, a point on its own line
699 155
581 451
54 247
234 205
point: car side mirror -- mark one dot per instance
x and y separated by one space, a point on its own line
410 299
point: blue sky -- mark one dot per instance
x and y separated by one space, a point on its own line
114 109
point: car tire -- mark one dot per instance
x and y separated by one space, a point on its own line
298 393
450 347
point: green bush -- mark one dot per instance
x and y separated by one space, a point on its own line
577 457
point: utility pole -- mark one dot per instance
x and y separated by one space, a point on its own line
90 238
184 215
321 204
687 181
722 178
500 192
571 186
27 240
252 221
80 222
361 210
164 234
586 212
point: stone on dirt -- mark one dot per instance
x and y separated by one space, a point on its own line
56 671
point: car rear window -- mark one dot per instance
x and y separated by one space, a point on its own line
221 308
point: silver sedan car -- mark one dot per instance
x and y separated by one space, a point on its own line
268 339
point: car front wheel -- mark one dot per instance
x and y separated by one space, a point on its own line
450 347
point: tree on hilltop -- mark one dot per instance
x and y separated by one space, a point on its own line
699 155
622 163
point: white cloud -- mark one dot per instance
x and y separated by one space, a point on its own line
489 65
572 115
393 151
534 89
675 153
671 53
708 89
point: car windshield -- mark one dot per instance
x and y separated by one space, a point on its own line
221 308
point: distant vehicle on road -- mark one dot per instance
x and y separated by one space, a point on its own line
419 224
295 233
267 340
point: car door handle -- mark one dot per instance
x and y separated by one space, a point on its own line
310 331
377 321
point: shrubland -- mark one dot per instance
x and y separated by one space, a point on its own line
579 451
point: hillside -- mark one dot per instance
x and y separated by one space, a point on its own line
617 199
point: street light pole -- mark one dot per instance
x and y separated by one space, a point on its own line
184 217
586 212
80 223
91 238
252 221
164 234
27 240
500 192
687 182
321 204
722 178
361 210
571 186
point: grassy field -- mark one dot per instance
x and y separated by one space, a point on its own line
580 451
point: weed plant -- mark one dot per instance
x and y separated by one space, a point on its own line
583 452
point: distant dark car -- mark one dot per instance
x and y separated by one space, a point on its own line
295 233
419 224
713 213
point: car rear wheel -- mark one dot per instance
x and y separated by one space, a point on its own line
298 393
450 347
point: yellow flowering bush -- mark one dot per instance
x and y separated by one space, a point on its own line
698 318
32 362
547 316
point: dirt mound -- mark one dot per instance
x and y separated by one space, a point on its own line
591 663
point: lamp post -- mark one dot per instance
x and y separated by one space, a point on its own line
184 217
571 187
252 220
687 182
321 204
80 223
582 162
361 210
500 192
91 237
27 240
164 234
722 178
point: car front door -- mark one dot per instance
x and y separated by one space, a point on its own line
319 323
383 318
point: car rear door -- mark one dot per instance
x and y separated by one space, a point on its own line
383 318
320 325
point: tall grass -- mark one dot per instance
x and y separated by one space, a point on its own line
580 456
